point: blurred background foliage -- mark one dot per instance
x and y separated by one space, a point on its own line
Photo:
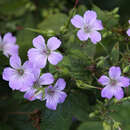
83 63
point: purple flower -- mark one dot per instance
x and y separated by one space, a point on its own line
20 77
55 95
114 84
88 25
8 46
37 91
39 55
128 31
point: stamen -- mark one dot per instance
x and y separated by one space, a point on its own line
20 71
46 51
113 82
50 92
87 29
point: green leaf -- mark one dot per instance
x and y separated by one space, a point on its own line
24 37
4 126
109 19
53 22
115 54
48 33
22 115
91 125
126 69
14 7
61 118
121 114
83 85
75 66
106 126
4 62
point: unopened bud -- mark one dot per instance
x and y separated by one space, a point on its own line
126 69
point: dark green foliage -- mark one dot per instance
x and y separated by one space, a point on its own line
82 65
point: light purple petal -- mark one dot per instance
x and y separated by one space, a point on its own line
77 21
82 35
28 76
107 92
90 17
62 97
95 37
129 21
0 38
46 79
51 102
7 73
118 93
15 84
36 72
39 60
60 84
124 81
104 80
30 95
97 25
8 38
55 57
10 49
39 42
15 62
28 65
39 95
53 43
114 72
21 83
128 32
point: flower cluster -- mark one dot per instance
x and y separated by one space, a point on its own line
27 77
89 26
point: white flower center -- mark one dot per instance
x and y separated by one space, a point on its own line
87 28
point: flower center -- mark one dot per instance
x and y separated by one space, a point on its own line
87 29
46 51
20 71
113 82
50 92
36 84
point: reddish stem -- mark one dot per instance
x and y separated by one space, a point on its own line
76 3
19 28
99 88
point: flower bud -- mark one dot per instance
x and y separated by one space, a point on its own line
126 69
